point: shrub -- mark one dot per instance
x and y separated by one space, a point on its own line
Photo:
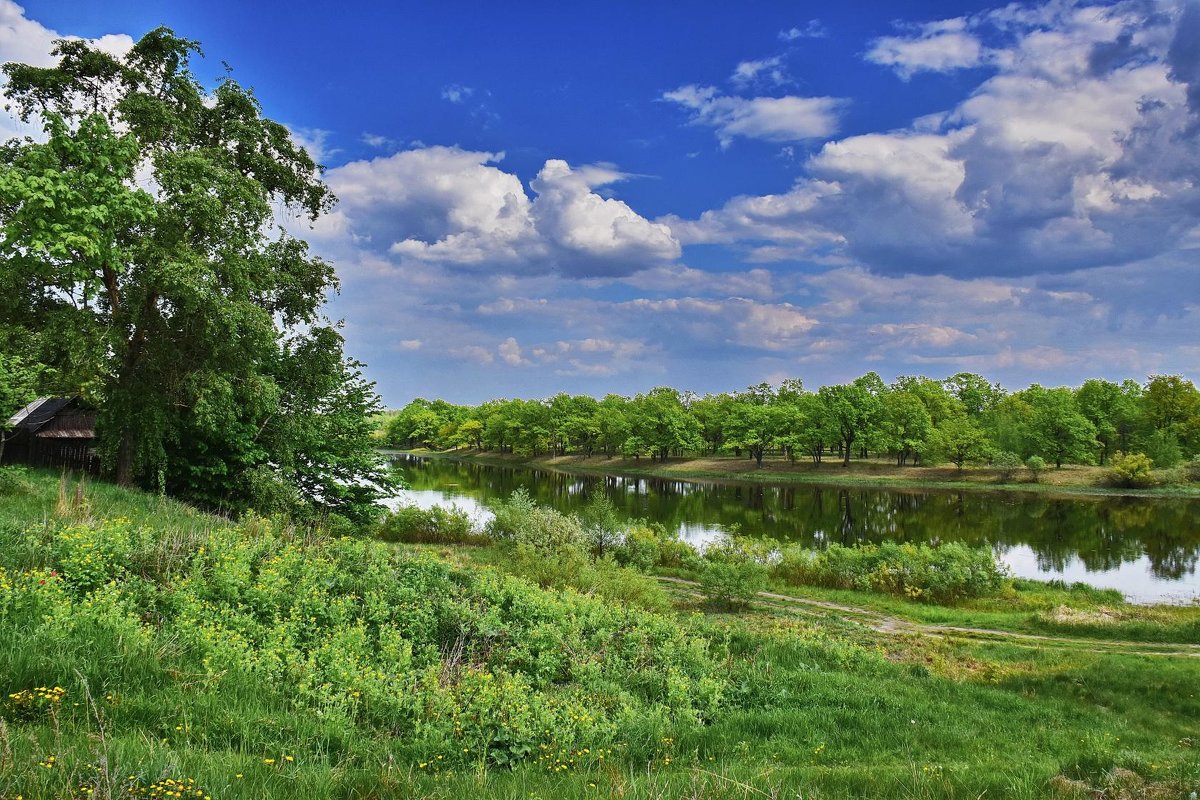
731 576
1131 470
348 633
1007 464
641 547
435 525
1191 471
1036 466
604 577
945 574
14 480
518 520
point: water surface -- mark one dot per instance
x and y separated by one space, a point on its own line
1147 548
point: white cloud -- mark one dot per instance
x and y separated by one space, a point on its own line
27 41
813 29
456 93
767 71
455 207
936 47
1080 151
510 353
773 119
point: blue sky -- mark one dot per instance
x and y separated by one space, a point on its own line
539 197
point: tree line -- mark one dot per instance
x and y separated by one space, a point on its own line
963 419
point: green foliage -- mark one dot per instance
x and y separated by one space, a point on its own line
960 440
473 665
575 570
520 521
1132 470
946 574
602 526
642 546
435 525
186 314
14 480
1162 447
1058 430
731 575
1036 466
1007 463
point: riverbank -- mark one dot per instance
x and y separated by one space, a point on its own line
1071 480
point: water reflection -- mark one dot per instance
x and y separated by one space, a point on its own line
1147 548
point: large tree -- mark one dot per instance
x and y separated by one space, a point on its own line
140 238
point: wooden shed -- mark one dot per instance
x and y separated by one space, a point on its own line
53 432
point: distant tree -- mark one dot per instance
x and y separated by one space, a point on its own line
663 424
805 426
612 423
1112 410
974 391
1058 429
961 440
751 426
1170 400
938 401
852 410
905 425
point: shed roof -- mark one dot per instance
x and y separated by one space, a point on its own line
38 413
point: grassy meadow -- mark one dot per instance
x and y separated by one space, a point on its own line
149 650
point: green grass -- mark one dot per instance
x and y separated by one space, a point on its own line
816 706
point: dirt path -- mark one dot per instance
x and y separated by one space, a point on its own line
883 623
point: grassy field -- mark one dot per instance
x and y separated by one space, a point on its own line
1072 479
143 643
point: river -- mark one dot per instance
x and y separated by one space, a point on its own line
1147 548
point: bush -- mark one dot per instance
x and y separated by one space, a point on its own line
1007 463
731 576
1191 471
946 574
436 525
349 636
1036 466
574 569
1131 470
518 520
14 480
641 548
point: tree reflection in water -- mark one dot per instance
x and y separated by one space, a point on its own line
1100 532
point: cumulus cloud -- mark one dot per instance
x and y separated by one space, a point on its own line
1080 151
935 47
772 119
456 207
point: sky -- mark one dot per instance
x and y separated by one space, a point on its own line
538 197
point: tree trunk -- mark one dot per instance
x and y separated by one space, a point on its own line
125 459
